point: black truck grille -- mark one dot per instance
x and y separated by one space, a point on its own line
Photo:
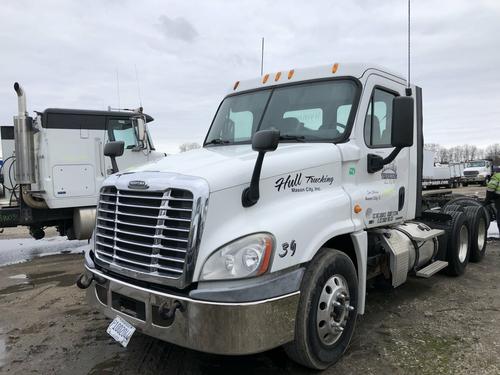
147 232
471 173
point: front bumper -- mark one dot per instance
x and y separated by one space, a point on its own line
213 327
474 179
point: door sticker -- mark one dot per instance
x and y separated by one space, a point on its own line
298 183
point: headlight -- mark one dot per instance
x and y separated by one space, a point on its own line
249 256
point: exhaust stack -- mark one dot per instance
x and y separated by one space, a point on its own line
23 134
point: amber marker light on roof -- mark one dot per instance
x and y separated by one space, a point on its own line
277 77
335 67
236 84
290 73
266 77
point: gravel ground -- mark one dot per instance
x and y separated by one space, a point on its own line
440 325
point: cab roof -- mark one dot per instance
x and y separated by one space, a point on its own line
356 70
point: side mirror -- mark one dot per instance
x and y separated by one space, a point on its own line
266 140
402 122
401 132
113 150
139 125
262 142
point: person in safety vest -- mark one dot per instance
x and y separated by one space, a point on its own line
493 193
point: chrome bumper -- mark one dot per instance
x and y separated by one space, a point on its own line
213 327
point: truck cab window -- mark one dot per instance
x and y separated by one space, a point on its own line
318 111
238 117
122 130
378 122
311 118
242 123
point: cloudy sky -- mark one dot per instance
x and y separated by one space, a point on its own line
189 53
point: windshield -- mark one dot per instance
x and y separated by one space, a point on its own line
123 130
476 164
320 111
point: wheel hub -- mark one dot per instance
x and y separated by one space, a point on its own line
333 310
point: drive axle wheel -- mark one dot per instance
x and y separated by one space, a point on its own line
326 315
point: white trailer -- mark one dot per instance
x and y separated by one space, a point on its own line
309 186
54 164
436 175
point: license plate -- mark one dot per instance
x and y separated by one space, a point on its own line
121 330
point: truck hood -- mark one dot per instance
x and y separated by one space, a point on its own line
227 166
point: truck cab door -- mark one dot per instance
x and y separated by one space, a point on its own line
384 195
121 129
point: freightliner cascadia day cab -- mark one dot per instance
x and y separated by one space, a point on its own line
308 186
54 164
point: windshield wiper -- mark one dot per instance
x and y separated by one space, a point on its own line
287 137
217 141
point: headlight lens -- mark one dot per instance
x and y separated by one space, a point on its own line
249 256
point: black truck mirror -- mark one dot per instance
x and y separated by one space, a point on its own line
113 150
266 140
263 141
402 122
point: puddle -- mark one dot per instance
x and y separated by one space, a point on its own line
21 276
24 249
32 280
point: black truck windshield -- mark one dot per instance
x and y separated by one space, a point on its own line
319 111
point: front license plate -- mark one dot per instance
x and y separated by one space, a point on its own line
121 330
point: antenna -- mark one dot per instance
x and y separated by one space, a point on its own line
138 86
408 89
262 58
118 88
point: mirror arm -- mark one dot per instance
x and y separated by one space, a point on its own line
390 158
376 162
114 165
251 194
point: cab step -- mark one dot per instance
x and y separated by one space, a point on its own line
431 269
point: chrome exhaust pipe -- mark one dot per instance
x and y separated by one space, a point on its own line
23 134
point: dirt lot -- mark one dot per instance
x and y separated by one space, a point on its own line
437 326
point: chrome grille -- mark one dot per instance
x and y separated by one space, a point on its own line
471 173
147 232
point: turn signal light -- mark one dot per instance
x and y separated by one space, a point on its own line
266 77
335 67
236 84
357 209
290 73
277 77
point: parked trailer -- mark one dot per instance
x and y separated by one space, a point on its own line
436 175
309 185
54 164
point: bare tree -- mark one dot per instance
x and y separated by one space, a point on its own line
188 146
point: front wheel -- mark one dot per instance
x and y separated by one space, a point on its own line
326 316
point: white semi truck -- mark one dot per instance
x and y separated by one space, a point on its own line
307 188
54 164
478 172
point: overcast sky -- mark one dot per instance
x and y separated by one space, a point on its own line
189 53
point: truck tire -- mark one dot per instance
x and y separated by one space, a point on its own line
467 202
326 315
452 208
457 242
478 222
465 184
